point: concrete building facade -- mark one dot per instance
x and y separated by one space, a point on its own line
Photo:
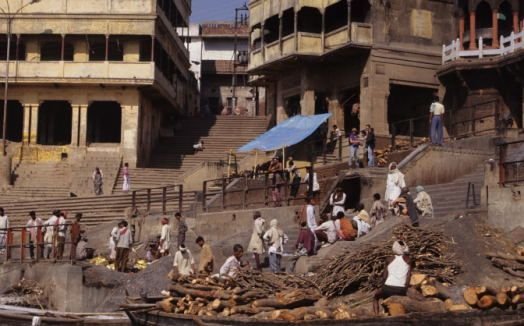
94 75
215 63
365 61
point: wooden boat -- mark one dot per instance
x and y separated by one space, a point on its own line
16 316
148 317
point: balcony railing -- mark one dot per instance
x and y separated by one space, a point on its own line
509 44
139 72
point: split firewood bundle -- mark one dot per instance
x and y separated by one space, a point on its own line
248 294
484 298
382 155
511 264
363 269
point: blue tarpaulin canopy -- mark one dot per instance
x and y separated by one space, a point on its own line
288 133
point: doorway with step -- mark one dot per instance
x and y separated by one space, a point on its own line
54 123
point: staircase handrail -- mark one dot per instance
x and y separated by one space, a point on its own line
179 188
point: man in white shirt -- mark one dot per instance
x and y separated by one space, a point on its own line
436 119
123 244
4 226
165 237
311 220
327 231
49 238
233 263
183 264
32 227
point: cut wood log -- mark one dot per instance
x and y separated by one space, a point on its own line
470 296
417 279
448 303
513 272
486 302
459 307
482 290
428 290
166 305
192 292
411 305
395 309
502 299
517 298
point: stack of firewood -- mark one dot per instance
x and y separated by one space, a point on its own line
382 155
512 264
363 269
250 293
484 298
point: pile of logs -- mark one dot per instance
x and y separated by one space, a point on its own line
382 155
250 293
363 269
484 298
511 264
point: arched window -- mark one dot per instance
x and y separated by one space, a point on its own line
310 20
505 18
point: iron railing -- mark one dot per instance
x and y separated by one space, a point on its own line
164 195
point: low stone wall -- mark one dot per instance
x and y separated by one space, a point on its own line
221 225
505 203
441 165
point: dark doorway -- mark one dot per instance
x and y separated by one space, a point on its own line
505 19
54 123
293 106
271 27
350 101
214 105
288 22
352 189
15 120
321 104
407 103
484 22
104 121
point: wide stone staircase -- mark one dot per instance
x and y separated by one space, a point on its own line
175 155
450 198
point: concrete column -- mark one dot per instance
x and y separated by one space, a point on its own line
307 95
495 28
82 125
130 128
336 110
516 21
472 31
281 105
374 104
81 52
33 123
461 31
75 115
132 51
26 134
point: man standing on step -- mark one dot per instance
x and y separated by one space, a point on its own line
32 227
181 228
4 226
436 119
62 230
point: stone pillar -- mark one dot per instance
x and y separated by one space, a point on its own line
33 123
374 93
307 95
281 104
516 21
336 110
82 125
132 51
81 52
75 115
130 129
472 31
26 134
461 32
495 28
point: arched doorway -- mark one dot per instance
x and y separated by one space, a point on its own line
104 122
484 22
505 18
15 120
54 123
309 20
